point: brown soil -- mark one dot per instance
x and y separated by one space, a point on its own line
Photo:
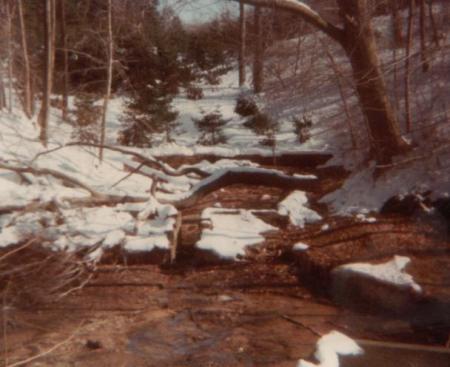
268 309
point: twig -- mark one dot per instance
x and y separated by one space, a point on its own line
46 352
20 248
128 175
287 318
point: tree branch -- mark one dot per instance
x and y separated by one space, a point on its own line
303 11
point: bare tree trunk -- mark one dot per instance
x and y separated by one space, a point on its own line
409 44
26 63
348 114
48 71
396 23
2 93
242 44
358 40
433 23
66 82
9 14
258 54
423 44
359 44
108 82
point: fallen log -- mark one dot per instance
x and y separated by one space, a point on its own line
248 176
297 159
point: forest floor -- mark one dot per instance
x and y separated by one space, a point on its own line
267 309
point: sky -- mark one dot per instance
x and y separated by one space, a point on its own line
198 11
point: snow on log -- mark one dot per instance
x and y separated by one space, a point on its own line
243 175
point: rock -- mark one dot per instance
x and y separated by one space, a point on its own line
408 205
93 344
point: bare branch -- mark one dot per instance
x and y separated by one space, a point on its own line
305 12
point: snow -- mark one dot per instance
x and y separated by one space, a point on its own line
114 238
146 243
361 190
8 236
223 171
328 349
295 206
300 246
363 218
391 272
231 231
138 226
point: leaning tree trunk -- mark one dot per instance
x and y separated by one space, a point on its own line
359 44
26 63
258 54
358 40
108 82
242 43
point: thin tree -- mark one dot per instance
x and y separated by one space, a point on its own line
396 23
433 23
409 44
423 44
26 63
258 53
242 44
357 38
9 10
2 93
44 113
109 71
65 51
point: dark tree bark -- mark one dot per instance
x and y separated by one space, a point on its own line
358 40
423 44
49 49
2 93
359 44
433 23
66 82
258 53
9 14
242 44
409 44
396 23
108 81
26 63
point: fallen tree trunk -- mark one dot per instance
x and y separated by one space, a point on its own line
297 159
247 176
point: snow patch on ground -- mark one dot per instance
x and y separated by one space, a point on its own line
362 190
295 206
231 231
392 272
300 246
328 349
